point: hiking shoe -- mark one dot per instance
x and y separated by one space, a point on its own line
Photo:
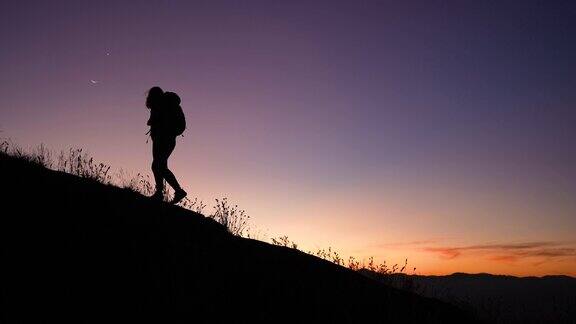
178 195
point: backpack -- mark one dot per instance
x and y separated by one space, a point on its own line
176 118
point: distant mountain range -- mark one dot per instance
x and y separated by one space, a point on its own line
498 298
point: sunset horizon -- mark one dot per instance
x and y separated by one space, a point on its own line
442 133
430 257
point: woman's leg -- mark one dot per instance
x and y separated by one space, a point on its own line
161 150
168 175
171 179
179 193
159 163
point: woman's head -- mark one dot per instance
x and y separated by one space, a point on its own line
154 97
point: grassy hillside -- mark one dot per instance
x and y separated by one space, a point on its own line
75 250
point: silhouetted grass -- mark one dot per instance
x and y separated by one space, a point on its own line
378 271
81 164
284 241
232 217
78 162
194 205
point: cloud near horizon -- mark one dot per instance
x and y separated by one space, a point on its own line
507 252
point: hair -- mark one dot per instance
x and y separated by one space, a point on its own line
154 96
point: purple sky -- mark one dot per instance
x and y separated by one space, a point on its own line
364 125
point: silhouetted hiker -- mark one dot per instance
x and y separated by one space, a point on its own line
166 122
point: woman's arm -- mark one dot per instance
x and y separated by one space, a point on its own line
152 119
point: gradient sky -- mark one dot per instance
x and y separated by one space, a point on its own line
438 131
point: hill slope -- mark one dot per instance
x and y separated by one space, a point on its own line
74 250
